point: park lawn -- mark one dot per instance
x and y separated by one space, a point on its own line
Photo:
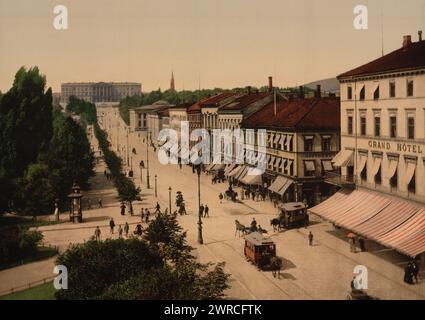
44 291
24 222
41 254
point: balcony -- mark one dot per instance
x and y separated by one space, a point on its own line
339 180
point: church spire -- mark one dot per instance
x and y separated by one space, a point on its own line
172 85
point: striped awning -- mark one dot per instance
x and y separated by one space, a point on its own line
392 222
229 168
285 187
256 179
235 171
242 173
277 184
343 159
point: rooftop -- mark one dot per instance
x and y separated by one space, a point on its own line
196 107
410 56
298 114
244 101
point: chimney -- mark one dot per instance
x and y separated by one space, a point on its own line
420 35
407 41
270 84
318 91
301 92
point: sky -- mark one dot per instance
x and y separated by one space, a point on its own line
206 43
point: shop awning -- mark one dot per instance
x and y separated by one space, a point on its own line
277 138
390 221
210 167
242 173
343 159
229 168
285 187
410 171
255 179
327 165
362 163
310 166
277 184
235 171
218 167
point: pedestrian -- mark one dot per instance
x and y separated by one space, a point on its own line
157 208
147 216
97 233
362 245
415 270
207 210
310 238
139 230
56 212
112 225
104 173
120 232
99 202
122 208
220 196
408 273
131 209
201 210
126 229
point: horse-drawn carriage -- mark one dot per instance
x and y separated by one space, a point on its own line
259 250
291 215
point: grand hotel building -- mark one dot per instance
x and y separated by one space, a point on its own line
382 157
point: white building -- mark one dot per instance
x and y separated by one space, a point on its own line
382 156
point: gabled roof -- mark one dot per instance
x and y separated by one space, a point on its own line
244 101
298 114
410 57
196 107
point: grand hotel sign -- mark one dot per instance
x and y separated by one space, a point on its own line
401 147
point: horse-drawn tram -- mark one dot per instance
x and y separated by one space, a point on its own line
293 214
259 249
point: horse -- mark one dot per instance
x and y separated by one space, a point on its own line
275 223
276 265
240 228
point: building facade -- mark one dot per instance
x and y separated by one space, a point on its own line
383 123
99 92
302 139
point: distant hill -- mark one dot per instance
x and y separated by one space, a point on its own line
328 85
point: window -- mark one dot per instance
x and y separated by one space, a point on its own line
308 143
376 94
412 185
291 168
410 88
362 93
350 124
377 126
349 92
363 125
393 126
326 143
392 89
378 176
309 169
394 180
411 127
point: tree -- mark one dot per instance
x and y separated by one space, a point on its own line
25 130
141 269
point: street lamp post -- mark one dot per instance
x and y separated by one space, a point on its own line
156 192
169 199
200 238
147 162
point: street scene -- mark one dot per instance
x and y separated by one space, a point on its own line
311 189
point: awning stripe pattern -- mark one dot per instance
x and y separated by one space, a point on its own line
392 222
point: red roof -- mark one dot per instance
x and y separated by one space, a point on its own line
196 107
247 99
298 114
411 57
